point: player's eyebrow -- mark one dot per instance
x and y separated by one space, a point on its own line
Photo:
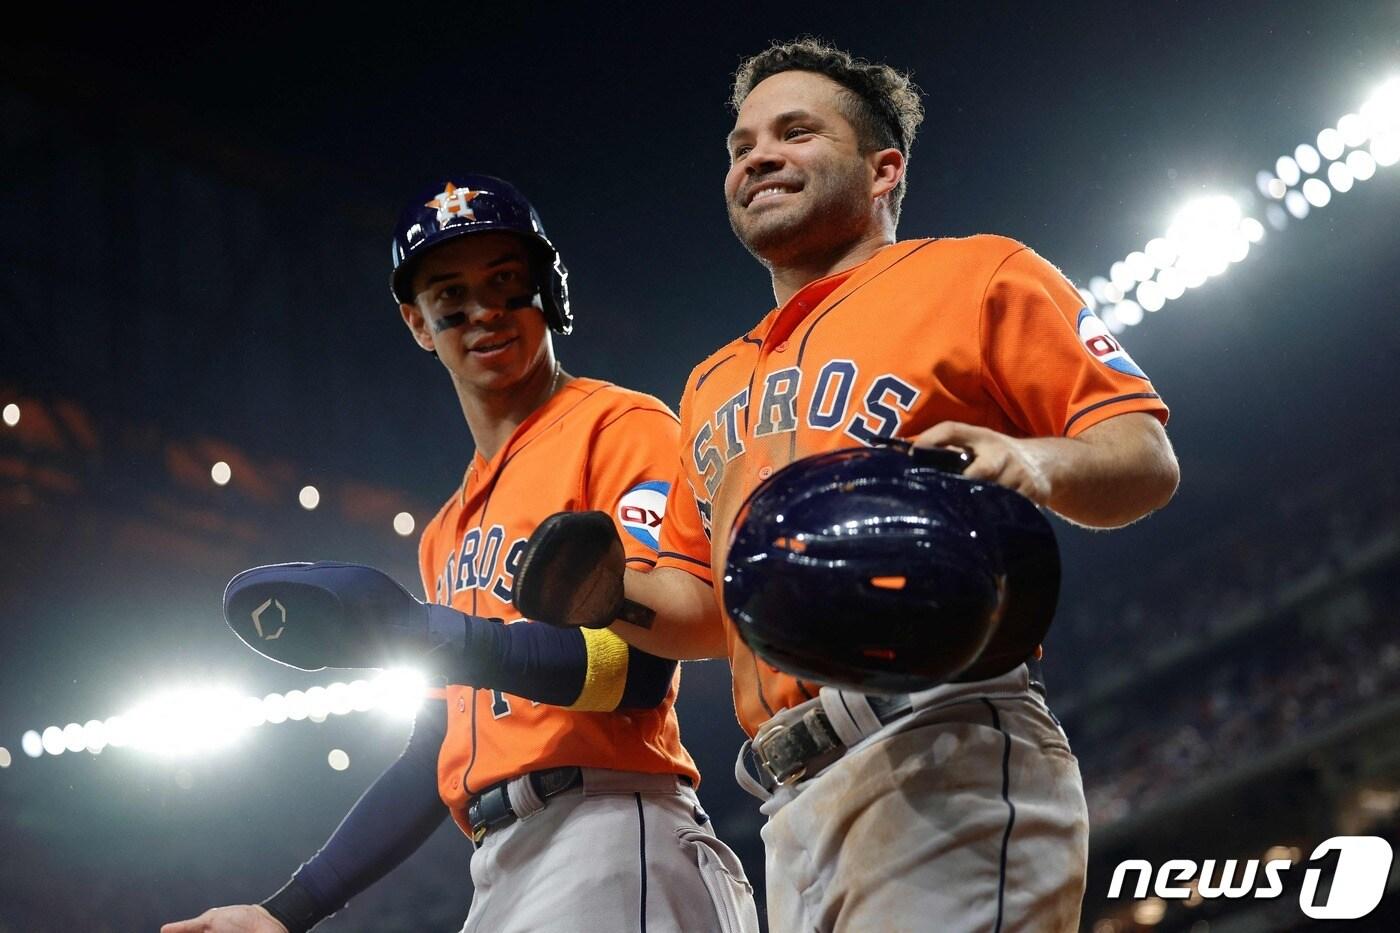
501 260
788 116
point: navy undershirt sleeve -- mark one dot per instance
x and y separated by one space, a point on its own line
549 664
385 826
527 659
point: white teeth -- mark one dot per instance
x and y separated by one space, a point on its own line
766 192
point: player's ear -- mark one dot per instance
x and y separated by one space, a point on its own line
417 325
887 166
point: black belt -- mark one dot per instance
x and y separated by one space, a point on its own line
792 750
491 809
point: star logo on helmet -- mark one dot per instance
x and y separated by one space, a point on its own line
453 204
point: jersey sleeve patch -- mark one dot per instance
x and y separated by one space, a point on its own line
641 509
1103 347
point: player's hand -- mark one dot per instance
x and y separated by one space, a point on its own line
996 457
242 918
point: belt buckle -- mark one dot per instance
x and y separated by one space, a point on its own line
478 833
782 775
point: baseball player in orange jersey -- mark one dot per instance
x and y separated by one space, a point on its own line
561 759
959 807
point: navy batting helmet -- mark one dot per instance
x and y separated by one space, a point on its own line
883 570
479 204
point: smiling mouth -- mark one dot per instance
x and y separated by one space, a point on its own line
766 192
492 347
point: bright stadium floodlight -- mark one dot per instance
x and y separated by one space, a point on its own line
1129 312
1297 204
1317 192
1211 233
94 736
187 722
275 708
1161 251
52 740
1330 144
338 699
1151 296
1381 112
1307 158
399 692
1362 165
296 705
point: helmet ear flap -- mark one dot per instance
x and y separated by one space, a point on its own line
551 280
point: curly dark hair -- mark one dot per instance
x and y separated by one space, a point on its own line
883 104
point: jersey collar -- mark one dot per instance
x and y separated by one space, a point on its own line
778 324
481 473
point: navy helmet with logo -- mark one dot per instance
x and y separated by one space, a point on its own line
466 204
881 569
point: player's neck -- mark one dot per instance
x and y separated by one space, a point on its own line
791 277
493 416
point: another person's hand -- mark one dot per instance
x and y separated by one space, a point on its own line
241 918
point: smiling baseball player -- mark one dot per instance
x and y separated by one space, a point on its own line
959 807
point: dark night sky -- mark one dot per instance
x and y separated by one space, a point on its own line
1077 129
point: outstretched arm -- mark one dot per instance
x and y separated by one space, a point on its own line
330 614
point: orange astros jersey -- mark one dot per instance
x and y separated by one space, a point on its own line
592 446
979 330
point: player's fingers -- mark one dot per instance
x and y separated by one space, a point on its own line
194 925
987 465
951 434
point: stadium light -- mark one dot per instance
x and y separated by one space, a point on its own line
221 473
1211 233
11 414
403 524
186 722
309 497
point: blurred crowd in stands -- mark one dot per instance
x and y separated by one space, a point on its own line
1257 640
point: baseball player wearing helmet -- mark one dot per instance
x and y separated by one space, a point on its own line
958 807
560 759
